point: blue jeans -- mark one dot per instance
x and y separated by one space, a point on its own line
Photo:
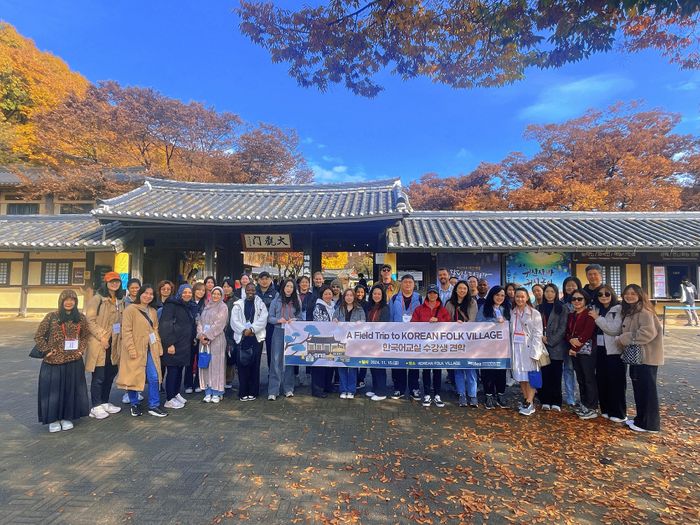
569 380
467 375
211 392
348 379
153 386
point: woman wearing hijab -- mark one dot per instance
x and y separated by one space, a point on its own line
210 332
104 316
229 299
176 328
139 358
62 336
196 306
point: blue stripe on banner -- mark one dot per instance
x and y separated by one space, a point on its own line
365 362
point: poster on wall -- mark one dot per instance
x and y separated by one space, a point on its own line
659 281
462 265
529 268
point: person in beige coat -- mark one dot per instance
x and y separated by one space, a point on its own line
139 359
104 316
641 326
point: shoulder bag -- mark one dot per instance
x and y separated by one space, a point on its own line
632 353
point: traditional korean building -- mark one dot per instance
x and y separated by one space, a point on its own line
146 233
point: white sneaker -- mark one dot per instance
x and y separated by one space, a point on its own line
605 416
349 395
215 399
556 408
271 397
546 407
618 419
378 398
207 399
125 399
66 425
173 403
197 390
427 401
343 396
181 399
55 426
437 400
188 390
289 394
111 409
369 394
98 412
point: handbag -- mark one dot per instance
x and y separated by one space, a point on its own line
586 349
544 359
204 357
632 354
534 377
35 353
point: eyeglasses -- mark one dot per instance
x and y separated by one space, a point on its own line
604 294
386 269
577 299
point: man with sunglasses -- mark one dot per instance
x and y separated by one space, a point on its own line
390 286
594 274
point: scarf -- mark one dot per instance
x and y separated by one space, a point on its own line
329 307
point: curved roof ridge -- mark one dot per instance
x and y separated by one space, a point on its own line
223 186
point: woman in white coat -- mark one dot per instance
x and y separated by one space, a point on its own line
249 322
526 337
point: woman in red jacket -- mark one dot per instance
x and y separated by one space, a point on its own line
579 333
431 311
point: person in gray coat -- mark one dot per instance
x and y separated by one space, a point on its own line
284 308
554 317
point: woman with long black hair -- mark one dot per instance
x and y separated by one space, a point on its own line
462 308
104 316
496 309
378 312
554 318
284 309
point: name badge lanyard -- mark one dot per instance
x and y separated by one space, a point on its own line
70 344
518 336
405 313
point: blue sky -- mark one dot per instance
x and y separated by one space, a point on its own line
194 51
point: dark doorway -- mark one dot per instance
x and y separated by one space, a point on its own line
675 275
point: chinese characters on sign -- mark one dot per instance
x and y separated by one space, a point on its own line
264 242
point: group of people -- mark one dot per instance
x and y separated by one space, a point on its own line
194 339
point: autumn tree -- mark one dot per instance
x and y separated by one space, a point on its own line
31 83
462 44
618 159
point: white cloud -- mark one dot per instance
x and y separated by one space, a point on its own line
692 84
307 140
568 99
464 153
337 173
331 159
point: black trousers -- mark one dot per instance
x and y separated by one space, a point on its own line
269 330
361 374
321 379
173 380
102 379
249 376
550 393
646 398
584 365
436 375
611 375
405 378
494 380
379 381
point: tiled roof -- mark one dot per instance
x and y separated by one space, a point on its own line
9 175
485 230
175 202
59 232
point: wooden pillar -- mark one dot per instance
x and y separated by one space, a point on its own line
25 286
314 250
209 256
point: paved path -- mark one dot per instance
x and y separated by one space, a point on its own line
333 461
